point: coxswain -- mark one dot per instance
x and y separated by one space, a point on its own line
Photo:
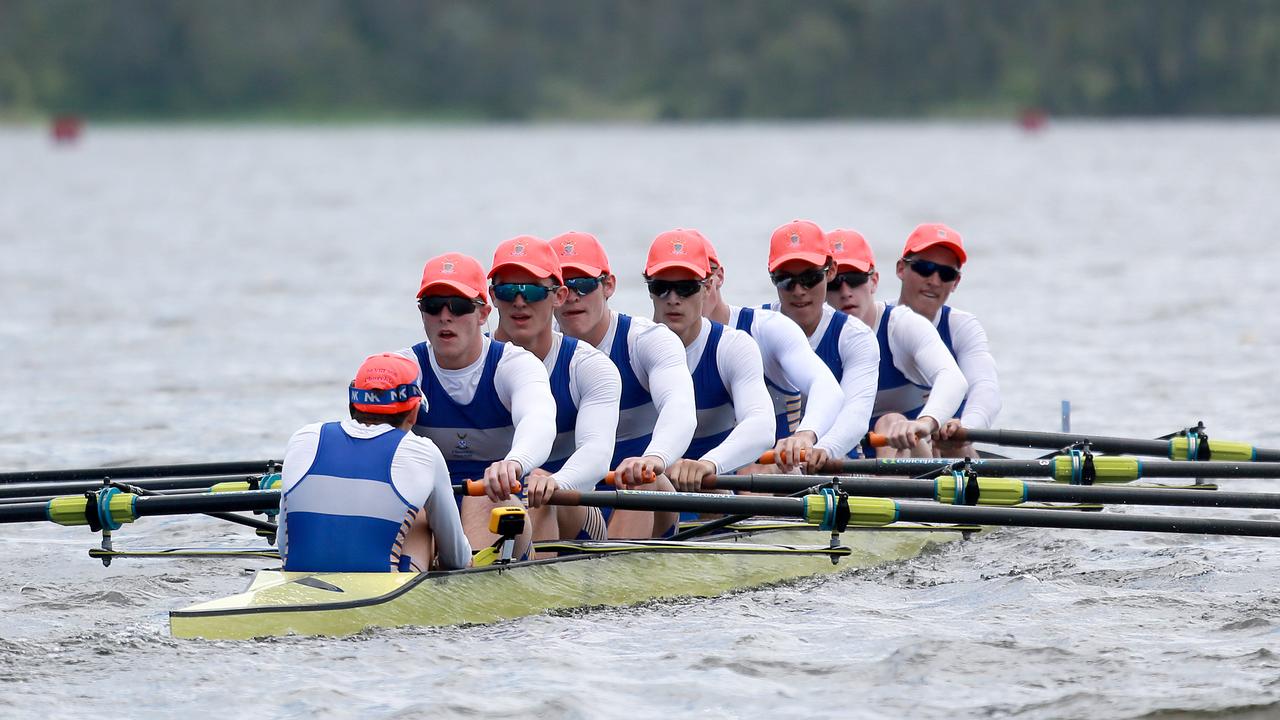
488 404
930 271
920 386
657 414
800 266
807 397
366 494
526 286
735 414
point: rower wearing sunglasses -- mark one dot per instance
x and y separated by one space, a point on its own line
488 404
527 285
657 415
930 272
807 398
920 386
735 415
800 267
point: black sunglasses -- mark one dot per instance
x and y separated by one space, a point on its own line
925 268
807 279
852 278
584 285
458 305
683 288
532 292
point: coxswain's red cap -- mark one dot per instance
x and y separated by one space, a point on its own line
583 252
386 384
798 240
527 253
851 251
454 274
930 234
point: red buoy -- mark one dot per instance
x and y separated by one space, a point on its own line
1033 119
66 129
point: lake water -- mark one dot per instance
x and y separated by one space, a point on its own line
196 294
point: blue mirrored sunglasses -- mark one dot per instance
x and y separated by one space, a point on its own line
531 292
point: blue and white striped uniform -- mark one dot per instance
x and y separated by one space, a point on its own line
350 493
735 415
894 392
787 400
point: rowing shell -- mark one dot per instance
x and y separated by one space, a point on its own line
612 573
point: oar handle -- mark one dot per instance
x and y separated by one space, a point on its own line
611 477
873 439
475 488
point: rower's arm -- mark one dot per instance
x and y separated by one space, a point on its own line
860 356
973 355
804 371
738 359
930 362
671 387
599 388
421 476
523 387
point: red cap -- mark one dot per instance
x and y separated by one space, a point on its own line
798 240
527 253
455 274
851 251
386 384
678 248
930 234
581 251
711 249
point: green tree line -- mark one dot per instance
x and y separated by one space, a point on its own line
644 59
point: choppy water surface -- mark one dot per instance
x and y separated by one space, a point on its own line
198 294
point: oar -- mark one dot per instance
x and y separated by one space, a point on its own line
875 512
1187 447
1064 468
45 490
109 507
996 491
144 471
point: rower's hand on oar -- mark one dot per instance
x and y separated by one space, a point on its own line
638 470
791 451
501 479
906 434
687 475
816 460
949 428
540 484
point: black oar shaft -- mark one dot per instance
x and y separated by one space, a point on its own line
1035 491
682 502
143 471
925 512
1100 443
1045 468
45 490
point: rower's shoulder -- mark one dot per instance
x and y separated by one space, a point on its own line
645 332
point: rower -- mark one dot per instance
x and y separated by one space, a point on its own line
920 385
657 415
526 286
365 494
794 374
488 404
934 254
800 266
735 418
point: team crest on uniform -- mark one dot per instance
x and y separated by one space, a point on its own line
795 239
463 447
517 250
447 267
